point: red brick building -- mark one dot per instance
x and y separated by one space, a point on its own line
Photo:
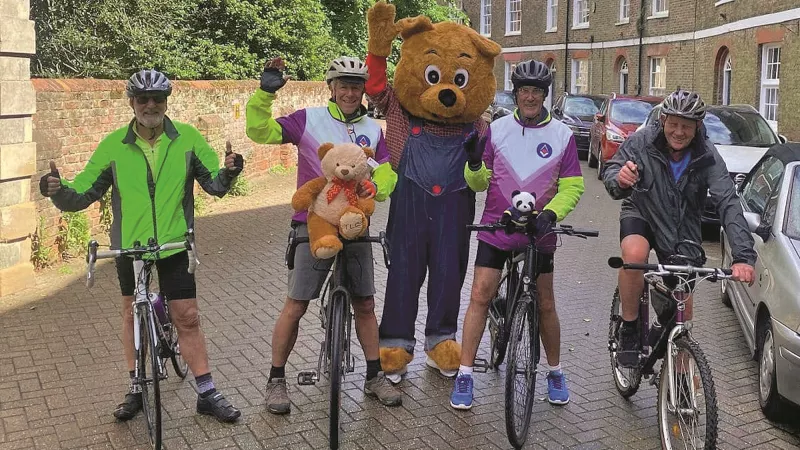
731 51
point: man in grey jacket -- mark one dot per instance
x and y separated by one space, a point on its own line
662 173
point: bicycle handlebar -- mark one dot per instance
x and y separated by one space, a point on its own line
617 263
294 241
562 229
92 255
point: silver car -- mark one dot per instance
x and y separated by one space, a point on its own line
741 136
769 311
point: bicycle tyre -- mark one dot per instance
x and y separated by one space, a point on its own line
150 407
335 373
626 385
178 362
498 334
709 435
519 405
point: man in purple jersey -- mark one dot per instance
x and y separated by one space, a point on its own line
526 151
344 119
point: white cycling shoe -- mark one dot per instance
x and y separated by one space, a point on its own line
446 373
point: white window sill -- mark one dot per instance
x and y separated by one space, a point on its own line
661 15
623 22
513 33
551 30
486 34
581 26
722 2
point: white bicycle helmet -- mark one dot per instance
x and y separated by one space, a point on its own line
148 81
347 67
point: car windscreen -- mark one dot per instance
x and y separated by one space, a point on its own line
630 111
582 106
503 98
731 127
793 210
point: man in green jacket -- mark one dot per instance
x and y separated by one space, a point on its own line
152 163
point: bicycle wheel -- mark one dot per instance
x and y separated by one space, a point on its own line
178 363
627 380
692 423
147 359
336 339
498 331
521 369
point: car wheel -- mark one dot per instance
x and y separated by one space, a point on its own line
592 161
724 285
768 397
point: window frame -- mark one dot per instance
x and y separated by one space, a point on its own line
576 65
624 11
552 16
486 19
770 84
509 21
579 13
660 90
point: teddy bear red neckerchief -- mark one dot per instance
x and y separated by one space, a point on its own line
349 188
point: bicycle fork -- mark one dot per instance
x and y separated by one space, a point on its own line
310 377
137 341
673 365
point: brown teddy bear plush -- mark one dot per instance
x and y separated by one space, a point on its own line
443 83
334 207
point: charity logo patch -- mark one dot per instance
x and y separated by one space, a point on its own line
544 150
362 140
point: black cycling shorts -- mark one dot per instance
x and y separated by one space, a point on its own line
638 226
174 280
494 258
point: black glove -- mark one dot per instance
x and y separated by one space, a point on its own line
238 165
43 181
545 221
474 148
272 80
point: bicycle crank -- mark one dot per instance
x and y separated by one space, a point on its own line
307 378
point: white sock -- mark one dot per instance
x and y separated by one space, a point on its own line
466 370
555 368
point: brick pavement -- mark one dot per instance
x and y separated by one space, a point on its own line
61 369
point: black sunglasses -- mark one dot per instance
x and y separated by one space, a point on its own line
144 99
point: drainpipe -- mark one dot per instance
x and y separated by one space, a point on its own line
566 48
640 29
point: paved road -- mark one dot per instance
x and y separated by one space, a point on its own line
61 371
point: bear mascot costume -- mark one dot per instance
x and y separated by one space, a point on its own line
443 82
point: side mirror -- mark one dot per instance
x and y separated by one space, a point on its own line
754 224
782 138
557 110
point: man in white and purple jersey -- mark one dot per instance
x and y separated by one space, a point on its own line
344 119
525 151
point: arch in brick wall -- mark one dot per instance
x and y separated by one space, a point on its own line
621 75
723 75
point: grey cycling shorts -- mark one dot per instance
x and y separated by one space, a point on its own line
308 276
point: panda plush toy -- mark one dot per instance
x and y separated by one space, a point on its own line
522 208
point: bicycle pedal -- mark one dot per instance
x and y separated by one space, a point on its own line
307 378
480 365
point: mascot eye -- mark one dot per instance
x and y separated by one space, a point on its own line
432 75
462 78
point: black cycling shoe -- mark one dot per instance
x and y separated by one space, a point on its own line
218 406
629 347
129 407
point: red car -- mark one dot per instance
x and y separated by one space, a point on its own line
619 116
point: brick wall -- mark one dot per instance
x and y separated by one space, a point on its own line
73 116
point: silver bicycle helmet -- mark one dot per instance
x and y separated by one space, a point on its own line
686 104
531 73
148 81
348 68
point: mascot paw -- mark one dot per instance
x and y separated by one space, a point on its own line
352 224
326 247
381 28
445 357
394 360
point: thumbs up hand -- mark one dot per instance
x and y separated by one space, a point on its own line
234 162
50 183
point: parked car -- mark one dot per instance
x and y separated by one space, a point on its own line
741 136
502 105
769 310
619 116
577 112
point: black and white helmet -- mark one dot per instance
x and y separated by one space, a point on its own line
347 67
686 104
532 73
148 81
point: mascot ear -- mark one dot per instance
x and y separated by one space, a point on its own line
323 149
487 47
414 25
369 152
515 193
